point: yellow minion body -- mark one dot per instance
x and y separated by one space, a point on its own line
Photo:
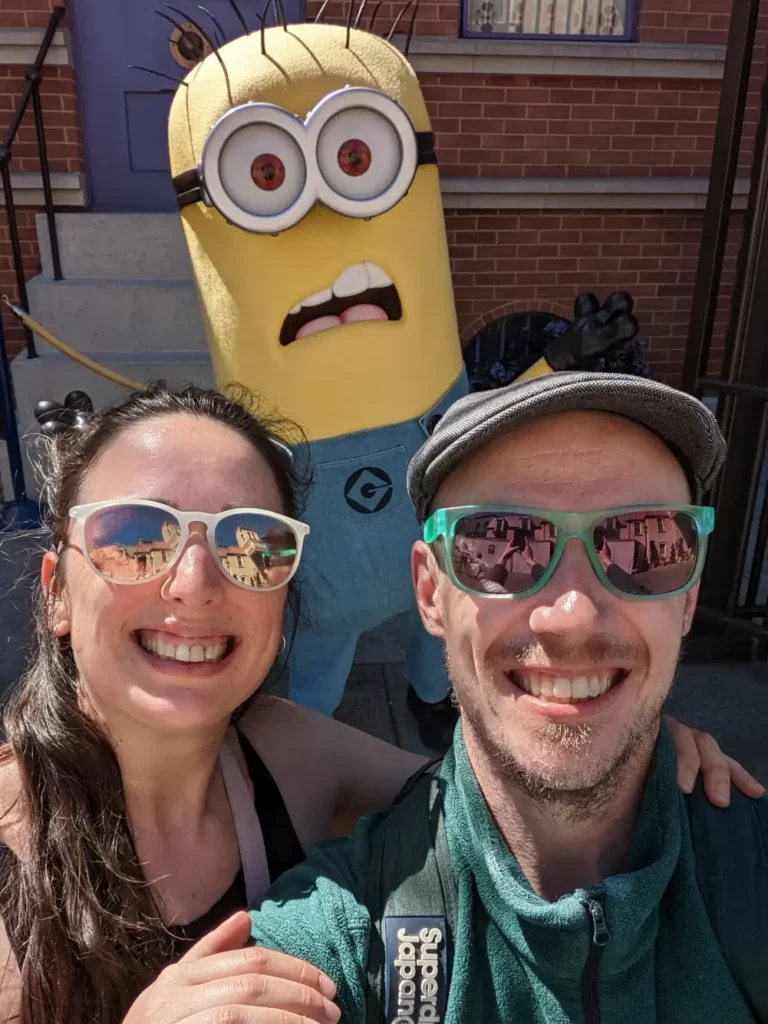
360 374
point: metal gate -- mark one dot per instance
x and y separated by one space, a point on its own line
735 586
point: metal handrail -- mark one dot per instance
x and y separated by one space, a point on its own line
34 76
31 94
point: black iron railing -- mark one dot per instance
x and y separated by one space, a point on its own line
31 95
735 586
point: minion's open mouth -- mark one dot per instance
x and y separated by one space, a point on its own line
362 292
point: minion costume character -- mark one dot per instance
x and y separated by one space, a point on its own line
304 167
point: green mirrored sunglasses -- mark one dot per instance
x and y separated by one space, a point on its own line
639 552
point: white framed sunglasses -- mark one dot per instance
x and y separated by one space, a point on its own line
132 540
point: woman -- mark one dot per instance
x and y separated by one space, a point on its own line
138 812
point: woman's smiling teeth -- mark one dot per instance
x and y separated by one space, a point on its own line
184 651
564 689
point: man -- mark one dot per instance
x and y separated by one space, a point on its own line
577 882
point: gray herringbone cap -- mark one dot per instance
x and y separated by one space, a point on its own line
681 421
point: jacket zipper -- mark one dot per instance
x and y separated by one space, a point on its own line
600 936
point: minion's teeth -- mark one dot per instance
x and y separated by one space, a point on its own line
318 298
376 276
353 281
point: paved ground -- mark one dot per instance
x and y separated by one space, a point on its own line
729 700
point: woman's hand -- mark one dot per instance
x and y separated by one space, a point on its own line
220 982
699 752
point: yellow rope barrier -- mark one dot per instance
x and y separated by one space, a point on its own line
43 332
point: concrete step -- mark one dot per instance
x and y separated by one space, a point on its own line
53 376
127 301
121 315
117 246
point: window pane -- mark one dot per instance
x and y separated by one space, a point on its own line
548 17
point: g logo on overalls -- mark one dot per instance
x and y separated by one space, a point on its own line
368 490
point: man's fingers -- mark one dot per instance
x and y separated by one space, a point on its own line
715 771
266 993
231 934
688 758
699 752
257 961
741 779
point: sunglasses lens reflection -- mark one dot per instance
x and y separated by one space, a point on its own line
503 552
257 549
129 543
644 553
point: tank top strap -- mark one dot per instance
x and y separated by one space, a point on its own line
250 838
269 845
283 848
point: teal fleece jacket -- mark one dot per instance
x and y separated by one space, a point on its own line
638 948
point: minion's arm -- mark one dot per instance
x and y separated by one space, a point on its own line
596 330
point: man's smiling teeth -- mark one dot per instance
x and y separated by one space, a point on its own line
182 651
562 688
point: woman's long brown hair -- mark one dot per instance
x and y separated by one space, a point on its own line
77 904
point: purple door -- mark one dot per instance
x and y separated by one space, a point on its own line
124 111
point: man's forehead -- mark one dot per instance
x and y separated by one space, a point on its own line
596 456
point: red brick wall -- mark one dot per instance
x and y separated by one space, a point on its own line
507 126
62 129
62 132
509 261
683 21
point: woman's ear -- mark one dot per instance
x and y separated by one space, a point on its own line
56 601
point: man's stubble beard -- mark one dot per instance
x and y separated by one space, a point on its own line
568 796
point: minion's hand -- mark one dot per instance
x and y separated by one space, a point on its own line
595 331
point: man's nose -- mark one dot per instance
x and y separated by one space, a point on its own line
574 601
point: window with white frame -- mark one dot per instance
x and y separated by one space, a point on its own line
563 19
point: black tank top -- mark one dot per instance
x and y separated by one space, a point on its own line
281 845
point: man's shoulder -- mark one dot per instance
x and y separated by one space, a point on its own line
730 847
335 872
317 912
745 817
338 871
730 840
323 910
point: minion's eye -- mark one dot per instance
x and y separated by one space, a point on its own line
354 157
256 170
359 153
262 169
268 172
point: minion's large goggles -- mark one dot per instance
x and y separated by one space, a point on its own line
263 168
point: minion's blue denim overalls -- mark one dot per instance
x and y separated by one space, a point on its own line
355 571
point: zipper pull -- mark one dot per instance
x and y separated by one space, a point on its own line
600 934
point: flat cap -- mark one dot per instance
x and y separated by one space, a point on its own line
686 425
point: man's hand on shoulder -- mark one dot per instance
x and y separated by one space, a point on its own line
698 752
